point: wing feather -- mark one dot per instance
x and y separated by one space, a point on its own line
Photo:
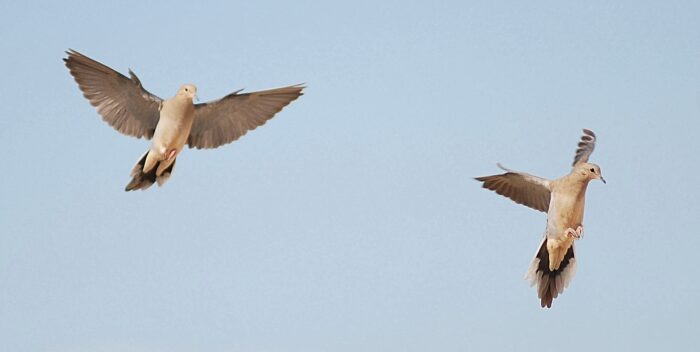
522 188
585 147
122 102
225 120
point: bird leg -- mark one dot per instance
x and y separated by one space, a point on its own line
577 234
171 154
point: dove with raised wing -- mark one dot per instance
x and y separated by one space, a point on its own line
130 109
563 200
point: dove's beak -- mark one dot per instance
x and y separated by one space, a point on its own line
196 97
602 179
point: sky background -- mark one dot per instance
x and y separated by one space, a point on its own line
350 222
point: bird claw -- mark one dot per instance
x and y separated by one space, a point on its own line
577 234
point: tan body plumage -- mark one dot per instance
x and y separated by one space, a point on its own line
565 212
564 201
176 117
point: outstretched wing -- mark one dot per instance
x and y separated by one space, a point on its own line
585 147
223 121
122 101
522 188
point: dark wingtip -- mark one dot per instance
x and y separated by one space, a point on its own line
301 87
68 52
71 52
589 132
131 186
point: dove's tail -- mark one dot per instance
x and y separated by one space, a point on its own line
142 180
550 283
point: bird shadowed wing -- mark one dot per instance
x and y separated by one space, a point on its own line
122 102
225 120
522 188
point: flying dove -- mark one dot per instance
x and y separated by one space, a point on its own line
563 200
130 109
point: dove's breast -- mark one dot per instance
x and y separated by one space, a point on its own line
173 126
566 209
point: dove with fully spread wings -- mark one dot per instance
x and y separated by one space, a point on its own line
130 109
563 200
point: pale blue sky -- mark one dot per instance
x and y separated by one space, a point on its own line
350 222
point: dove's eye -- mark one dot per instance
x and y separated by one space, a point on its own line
593 170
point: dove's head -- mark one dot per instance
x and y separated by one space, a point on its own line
589 171
189 91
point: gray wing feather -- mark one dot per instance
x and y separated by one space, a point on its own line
585 147
522 188
122 102
225 120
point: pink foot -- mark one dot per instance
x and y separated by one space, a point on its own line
577 234
171 154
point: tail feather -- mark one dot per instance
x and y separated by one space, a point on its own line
143 181
550 283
